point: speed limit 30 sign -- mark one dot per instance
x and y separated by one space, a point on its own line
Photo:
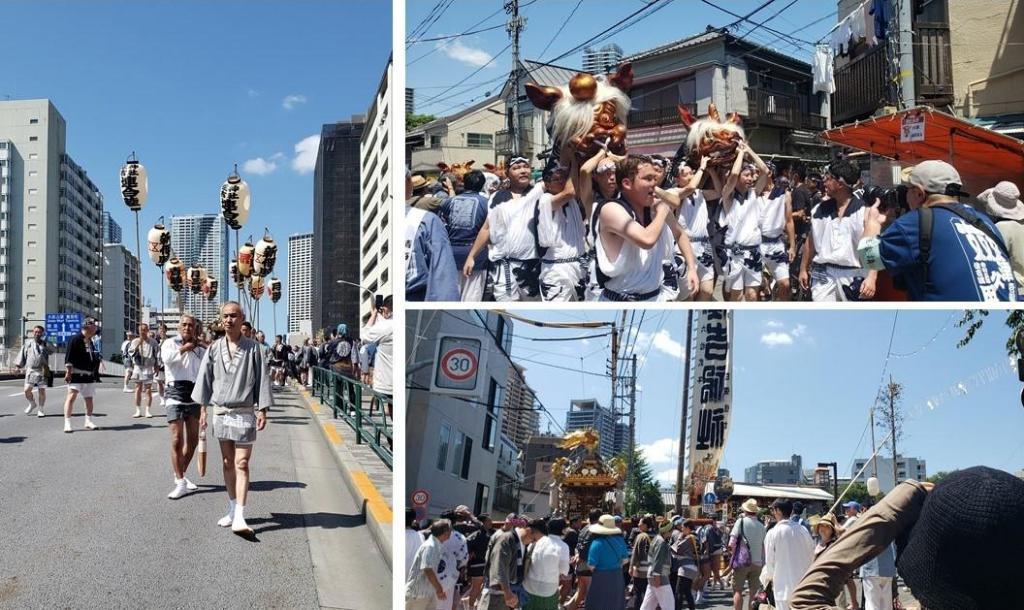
457 365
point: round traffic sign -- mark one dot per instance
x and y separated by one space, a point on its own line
420 497
459 364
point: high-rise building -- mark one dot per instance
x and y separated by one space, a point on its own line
588 413
51 222
336 227
121 310
410 100
300 283
775 472
111 230
201 239
906 468
521 419
375 195
604 59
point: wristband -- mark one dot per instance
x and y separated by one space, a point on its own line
867 252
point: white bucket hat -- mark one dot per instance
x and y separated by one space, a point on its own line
606 527
1002 201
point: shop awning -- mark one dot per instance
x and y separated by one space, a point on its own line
982 156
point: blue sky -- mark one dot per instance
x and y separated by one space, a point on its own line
194 87
804 382
435 65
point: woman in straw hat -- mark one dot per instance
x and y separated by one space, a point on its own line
1002 202
826 530
608 553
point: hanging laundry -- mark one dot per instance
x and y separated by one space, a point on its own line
840 37
821 68
882 13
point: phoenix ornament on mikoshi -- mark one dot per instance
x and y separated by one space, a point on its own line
235 200
588 113
245 259
159 244
134 184
264 256
712 137
175 271
196 278
274 289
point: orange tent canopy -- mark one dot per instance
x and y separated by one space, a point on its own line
982 156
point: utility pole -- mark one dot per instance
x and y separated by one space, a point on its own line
893 394
906 54
514 27
874 457
682 421
632 426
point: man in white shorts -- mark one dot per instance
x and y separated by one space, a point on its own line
81 363
126 361
741 216
158 377
634 238
144 354
778 235
562 235
830 268
181 357
692 217
33 360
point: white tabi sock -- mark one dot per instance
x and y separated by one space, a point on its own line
239 521
229 518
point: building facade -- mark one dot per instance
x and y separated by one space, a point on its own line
602 60
300 283
906 468
375 197
588 413
540 453
775 472
533 135
121 307
521 419
410 100
111 230
454 444
467 135
51 222
336 226
201 239
155 317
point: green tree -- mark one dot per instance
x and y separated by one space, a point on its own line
973 319
858 493
412 121
938 476
643 494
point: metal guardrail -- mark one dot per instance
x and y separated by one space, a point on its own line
367 412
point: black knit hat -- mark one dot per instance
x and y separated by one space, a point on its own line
969 514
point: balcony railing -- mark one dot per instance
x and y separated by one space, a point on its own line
503 143
933 68
773 108
860 86
657 116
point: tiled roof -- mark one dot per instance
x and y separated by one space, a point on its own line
679 44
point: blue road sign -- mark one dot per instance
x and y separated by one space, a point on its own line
710 498
62 326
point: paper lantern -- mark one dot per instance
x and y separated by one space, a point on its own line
159 244
210 289
235 201
236 277
256 287
196 278
245 256
274 289
175 271
265 256
873 487
134 184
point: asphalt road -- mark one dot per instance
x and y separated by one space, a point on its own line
85 521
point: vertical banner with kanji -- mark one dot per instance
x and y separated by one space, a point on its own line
711 404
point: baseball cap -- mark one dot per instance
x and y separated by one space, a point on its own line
852 504
936 177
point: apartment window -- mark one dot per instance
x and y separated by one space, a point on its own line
459 446
33 121
467 453
33 191
33 155
33 173
33 138
480 140
435 141
442 447
491 424
483 499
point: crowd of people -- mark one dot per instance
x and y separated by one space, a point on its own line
775 557
647 228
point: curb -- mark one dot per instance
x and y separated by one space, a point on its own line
374 507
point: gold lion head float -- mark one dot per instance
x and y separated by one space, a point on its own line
712 137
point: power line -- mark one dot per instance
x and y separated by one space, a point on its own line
471 74
436 38
435 49
562 27
431 18
621 24
742 18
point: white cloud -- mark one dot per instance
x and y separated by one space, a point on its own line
252 93
799 330
663 342
304 161
466 54
259 166
774 339
774 324
666 476
291 101
661 451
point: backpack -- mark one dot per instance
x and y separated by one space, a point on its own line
926 221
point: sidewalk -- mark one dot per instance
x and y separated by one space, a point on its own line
368 479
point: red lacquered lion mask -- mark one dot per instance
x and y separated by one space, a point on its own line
588 112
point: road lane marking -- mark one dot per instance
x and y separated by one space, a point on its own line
331 433
375 503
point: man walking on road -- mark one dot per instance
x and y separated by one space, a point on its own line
33 359
233 380
182 356
81 362
126 360
788 551
144 352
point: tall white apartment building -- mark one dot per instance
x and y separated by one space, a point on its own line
201 239
51 222
121 312
375 198
300 283
603 59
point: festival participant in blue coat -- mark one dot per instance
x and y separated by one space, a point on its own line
464 215
942 250
430 273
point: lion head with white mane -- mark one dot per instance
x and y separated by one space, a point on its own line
712 137
588 112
